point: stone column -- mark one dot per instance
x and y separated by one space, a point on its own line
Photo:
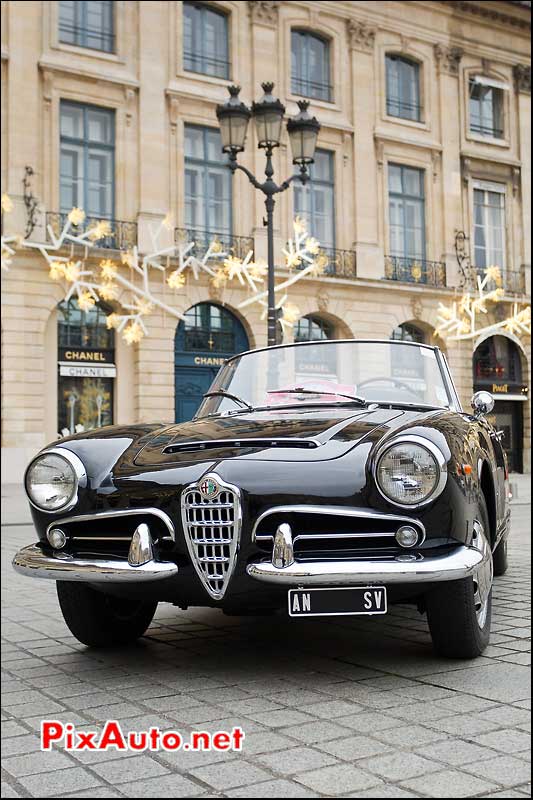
522 76
153 138
264 35
448 61
367 212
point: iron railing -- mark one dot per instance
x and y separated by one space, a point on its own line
238 246
403 109
206 65
336 263
415 270
317 90
83 36
122 236
487 130
512 281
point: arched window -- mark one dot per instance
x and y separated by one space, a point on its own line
403 88
212 329
310 73
312 329
86 358
497 360
406 332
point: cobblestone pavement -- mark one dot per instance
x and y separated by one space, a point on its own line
358 708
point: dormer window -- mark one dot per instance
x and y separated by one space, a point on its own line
403 88
486 107
310 70
205 40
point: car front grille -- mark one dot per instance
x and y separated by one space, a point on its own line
212 531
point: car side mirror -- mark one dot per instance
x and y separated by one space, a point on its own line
482 403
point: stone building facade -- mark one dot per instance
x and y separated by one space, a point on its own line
425 137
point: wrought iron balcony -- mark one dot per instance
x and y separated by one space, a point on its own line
340 263
513 281
415 270
122 236
238 246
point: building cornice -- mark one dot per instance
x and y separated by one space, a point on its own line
486 11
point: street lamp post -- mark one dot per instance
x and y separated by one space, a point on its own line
233 117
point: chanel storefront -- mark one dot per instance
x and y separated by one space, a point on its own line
86 369
498 369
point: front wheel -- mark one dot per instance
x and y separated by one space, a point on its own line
459 612
102 620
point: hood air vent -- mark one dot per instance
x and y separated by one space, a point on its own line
244 444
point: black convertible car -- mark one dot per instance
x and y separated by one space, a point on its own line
323 478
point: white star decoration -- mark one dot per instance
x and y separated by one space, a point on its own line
459 320
112 282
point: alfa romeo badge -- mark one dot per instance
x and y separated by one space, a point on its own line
209 488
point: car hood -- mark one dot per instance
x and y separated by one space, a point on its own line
278 435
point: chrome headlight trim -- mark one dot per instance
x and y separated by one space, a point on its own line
432 449
79 471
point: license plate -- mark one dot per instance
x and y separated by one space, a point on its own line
337 601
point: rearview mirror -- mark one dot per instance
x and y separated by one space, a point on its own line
482 403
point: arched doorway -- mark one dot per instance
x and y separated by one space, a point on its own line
86 368
498 369
204 339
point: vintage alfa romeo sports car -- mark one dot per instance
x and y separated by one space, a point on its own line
322 478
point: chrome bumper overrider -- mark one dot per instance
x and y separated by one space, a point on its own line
460 563
140 564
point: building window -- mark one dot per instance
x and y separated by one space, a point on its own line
87 161
86 358
209 328
310 76
403 88
208 195
486 108
407 213
205 40
87 24
489 226
313 329
315 202
408 333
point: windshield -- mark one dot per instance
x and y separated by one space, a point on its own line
328 373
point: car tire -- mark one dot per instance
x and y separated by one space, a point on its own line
458 622
102 620
500 559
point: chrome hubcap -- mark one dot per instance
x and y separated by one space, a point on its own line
483 575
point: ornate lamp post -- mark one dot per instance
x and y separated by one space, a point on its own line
233 117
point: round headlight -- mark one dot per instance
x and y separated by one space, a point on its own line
52 481
409 473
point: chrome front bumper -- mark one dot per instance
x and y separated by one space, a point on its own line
140 564
32 562
461 563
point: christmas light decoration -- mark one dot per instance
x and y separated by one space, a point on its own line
302 252
9 243
127 281
460 320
